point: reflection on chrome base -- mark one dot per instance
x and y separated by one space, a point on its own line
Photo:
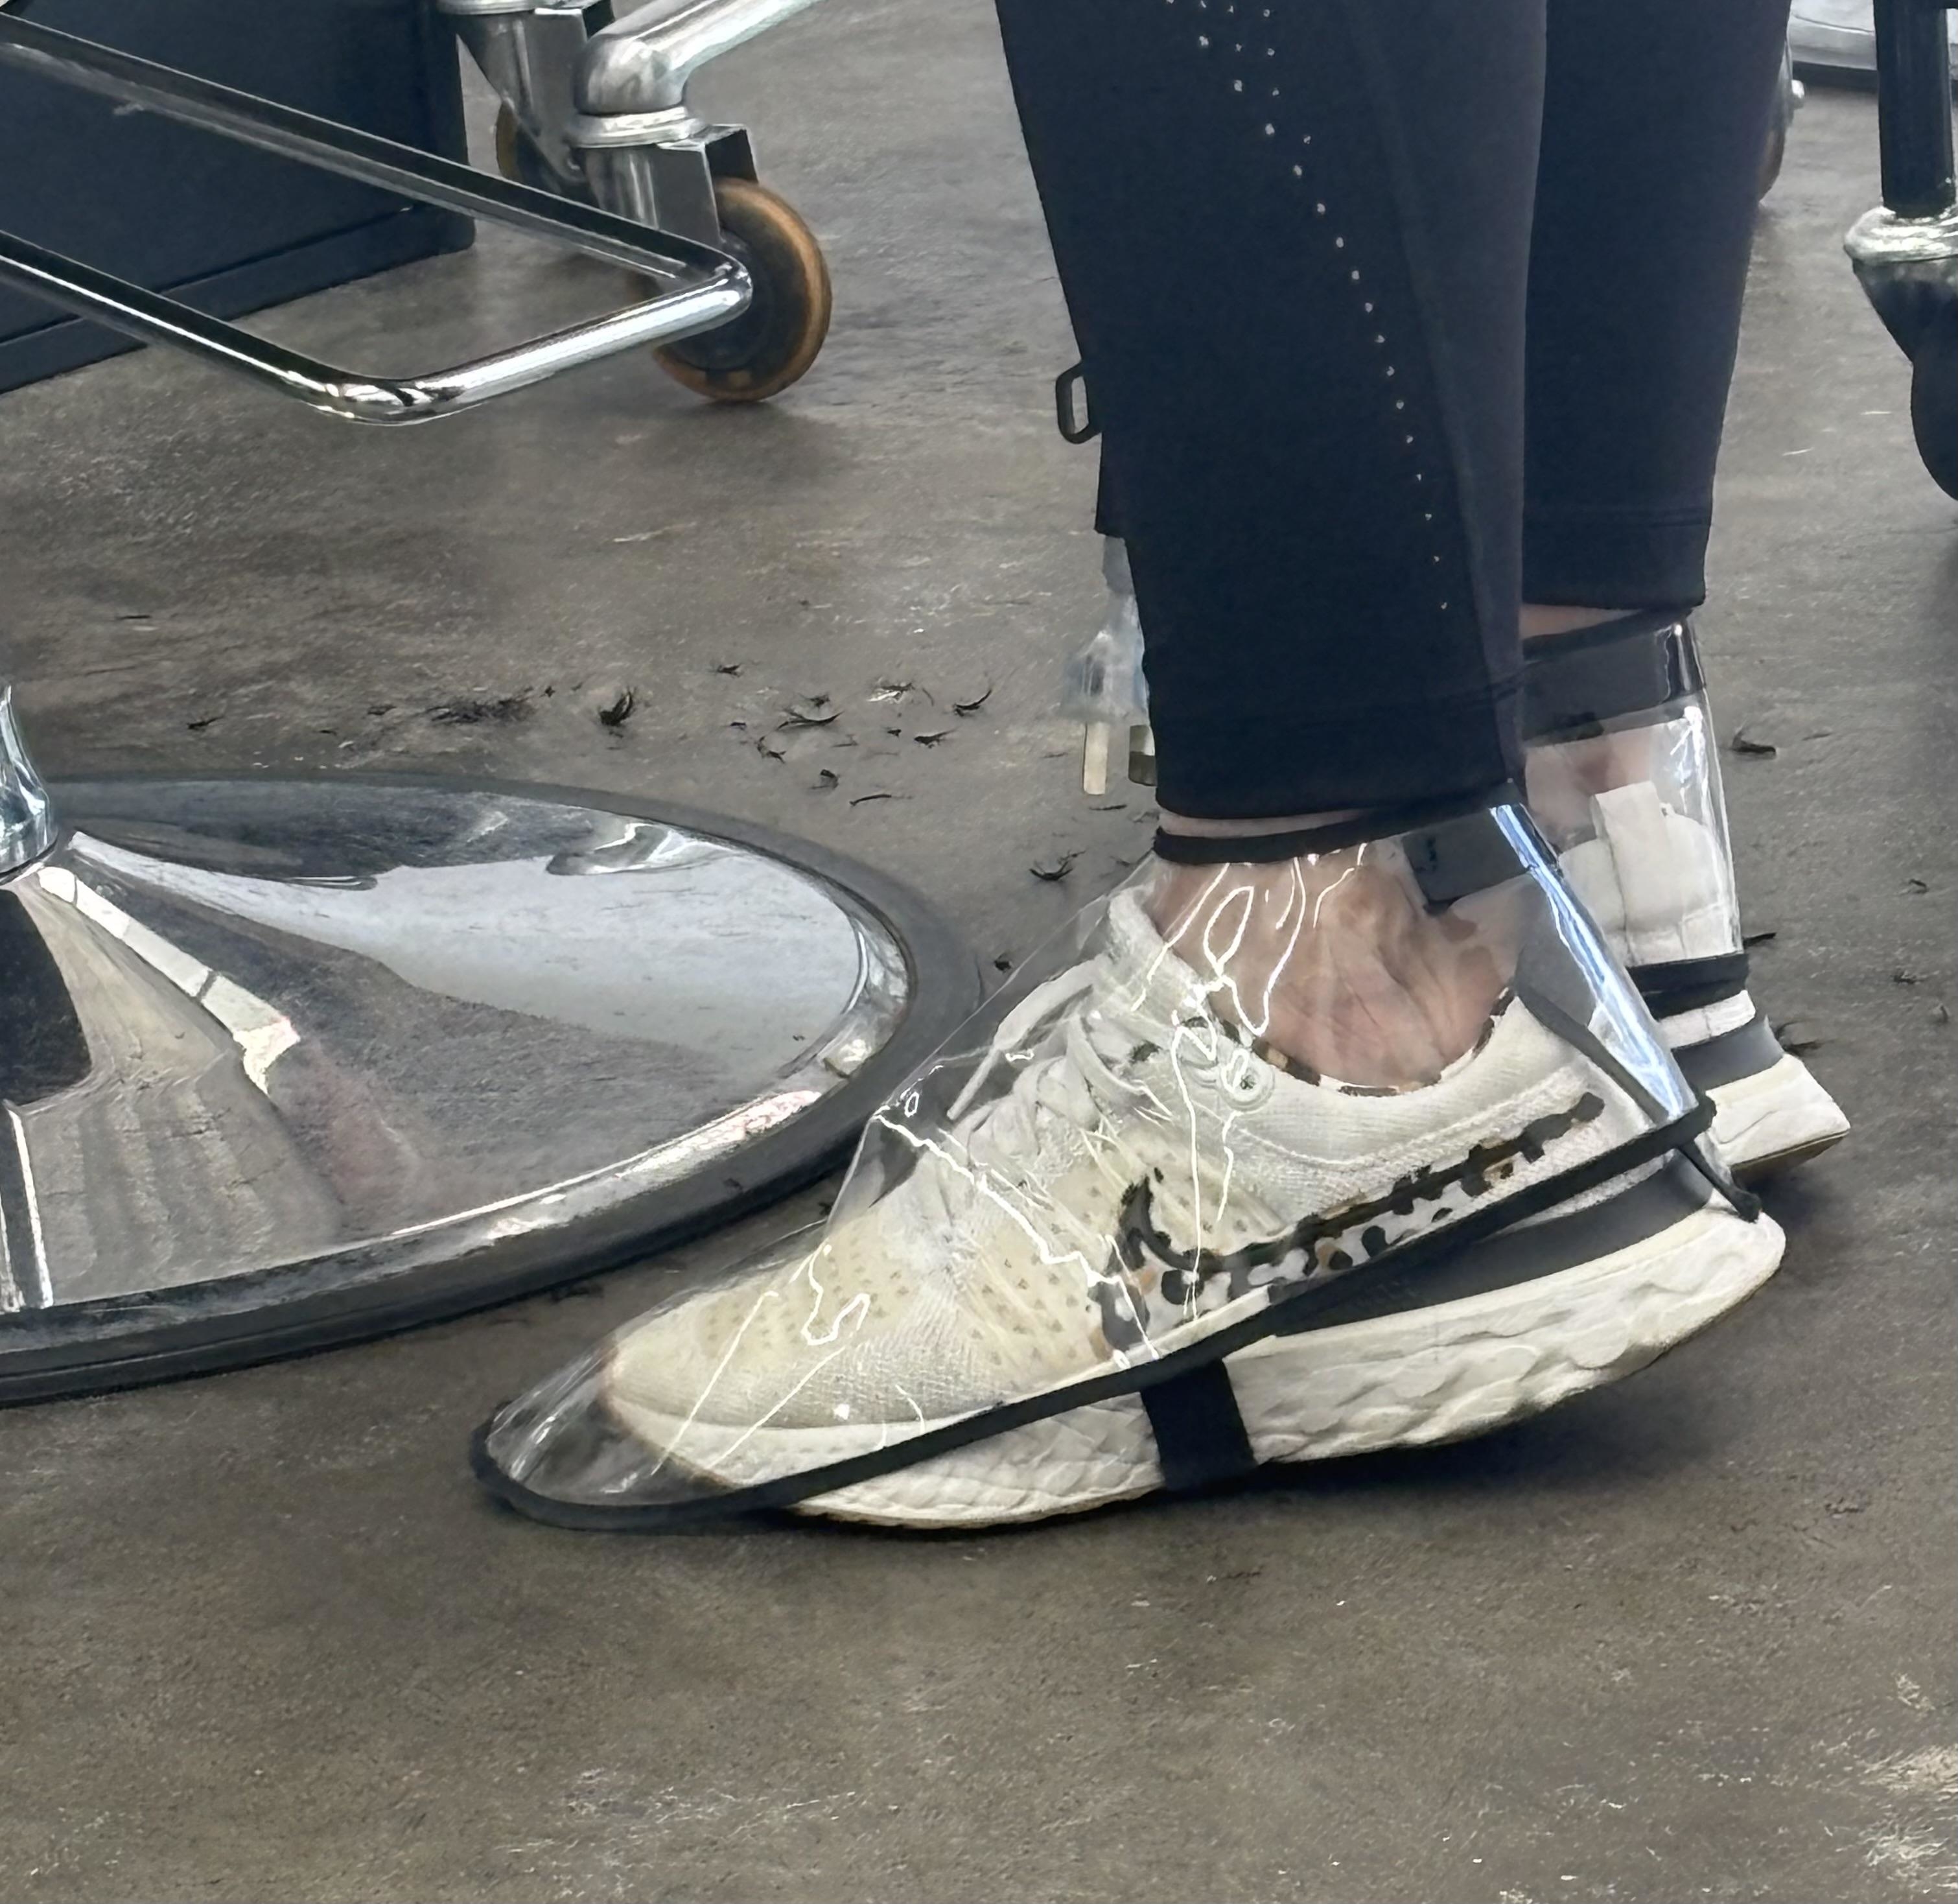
282 1063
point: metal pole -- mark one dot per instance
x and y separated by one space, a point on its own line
1914 107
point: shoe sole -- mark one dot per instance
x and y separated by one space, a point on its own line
1766 1122
1412 1378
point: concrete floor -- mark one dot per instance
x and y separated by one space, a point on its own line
1690 1639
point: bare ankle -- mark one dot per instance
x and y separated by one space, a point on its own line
1541 618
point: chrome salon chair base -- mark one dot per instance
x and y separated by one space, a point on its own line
288 1063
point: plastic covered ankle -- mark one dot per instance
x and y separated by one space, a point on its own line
1623 777
1104 681
1227 1098
1103 687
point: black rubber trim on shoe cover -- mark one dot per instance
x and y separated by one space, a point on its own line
1422 1252
1632 1215
1468 855
1675 985
1381 823
1580 682
1744 1052
1200 1437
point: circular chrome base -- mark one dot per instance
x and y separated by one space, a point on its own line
284 1063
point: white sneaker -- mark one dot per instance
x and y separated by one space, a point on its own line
1650 859
1135 1248
1656 882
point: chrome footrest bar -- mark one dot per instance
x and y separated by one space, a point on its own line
643 62
702 287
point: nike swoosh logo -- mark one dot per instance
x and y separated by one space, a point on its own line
1141 1244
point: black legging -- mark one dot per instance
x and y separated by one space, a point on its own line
1301 241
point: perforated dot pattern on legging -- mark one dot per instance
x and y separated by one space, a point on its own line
1243 34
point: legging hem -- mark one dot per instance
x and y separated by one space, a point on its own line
1394 754
1615 558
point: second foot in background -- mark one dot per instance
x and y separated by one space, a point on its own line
1622 775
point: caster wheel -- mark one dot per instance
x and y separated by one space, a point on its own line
519 160
764 350
1933 399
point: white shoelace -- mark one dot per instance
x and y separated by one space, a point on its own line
1084 1082
1087 1081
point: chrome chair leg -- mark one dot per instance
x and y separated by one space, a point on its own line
529 52
646 153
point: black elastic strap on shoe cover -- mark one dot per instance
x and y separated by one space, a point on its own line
1200 1437
1297 842
1703 1158
1454 848
1675 986
1470 855
1745 1052
1589 677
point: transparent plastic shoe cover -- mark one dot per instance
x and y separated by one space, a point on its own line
1624 777
1103 686
1224 1094
1104 679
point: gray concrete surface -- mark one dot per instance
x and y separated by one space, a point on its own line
1690 1639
